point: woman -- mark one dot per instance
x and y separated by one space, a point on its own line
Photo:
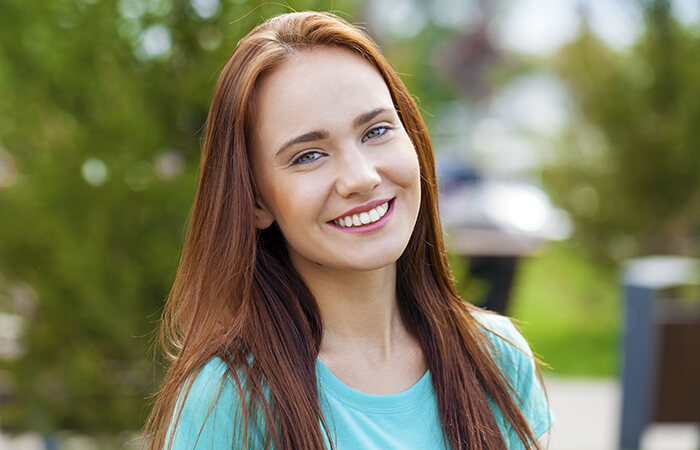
314 307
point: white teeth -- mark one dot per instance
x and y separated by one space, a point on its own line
364 218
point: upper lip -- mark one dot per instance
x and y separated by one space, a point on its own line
363 208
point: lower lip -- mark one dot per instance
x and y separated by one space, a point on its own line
370 227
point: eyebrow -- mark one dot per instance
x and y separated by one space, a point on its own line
366 117
307 137
322 134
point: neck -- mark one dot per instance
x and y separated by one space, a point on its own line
359 310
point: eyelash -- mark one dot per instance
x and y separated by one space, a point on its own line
384 128
298 159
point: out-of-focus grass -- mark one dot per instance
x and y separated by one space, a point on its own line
569 309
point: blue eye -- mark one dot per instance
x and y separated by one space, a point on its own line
307 157
375 133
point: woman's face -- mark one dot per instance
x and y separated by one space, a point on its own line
332 162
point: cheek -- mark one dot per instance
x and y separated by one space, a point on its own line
296 198
403 166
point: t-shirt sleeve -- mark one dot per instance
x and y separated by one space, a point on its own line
208 413
519 367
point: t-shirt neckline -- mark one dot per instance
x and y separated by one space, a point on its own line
401 401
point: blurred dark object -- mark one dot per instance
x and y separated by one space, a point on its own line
499 273
661 344
494 222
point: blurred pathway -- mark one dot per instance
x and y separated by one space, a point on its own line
587 417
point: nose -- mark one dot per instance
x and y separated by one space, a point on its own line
356 172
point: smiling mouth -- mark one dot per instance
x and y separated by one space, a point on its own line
364 218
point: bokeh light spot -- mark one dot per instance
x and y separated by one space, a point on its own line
169 164
95 171
206 9
155 41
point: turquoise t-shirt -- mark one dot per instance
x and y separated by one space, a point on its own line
407 420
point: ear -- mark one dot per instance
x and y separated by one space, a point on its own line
263 217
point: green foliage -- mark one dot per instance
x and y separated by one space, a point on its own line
80 94
569 307
629 169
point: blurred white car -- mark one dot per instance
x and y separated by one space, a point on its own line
483 216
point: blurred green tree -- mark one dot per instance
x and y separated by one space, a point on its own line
629 169
102 105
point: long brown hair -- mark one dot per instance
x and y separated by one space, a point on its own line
236 296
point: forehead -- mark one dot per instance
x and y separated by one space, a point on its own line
321 88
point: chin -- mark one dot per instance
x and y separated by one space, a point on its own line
370 267
371 261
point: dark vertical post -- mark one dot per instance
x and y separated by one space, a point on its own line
641 342
499 273
638 362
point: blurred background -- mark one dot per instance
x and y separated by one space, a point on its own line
567 134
